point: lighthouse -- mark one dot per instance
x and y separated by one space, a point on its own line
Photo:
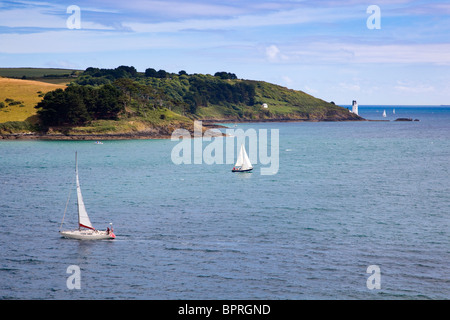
355 107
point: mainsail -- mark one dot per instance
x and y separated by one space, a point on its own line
243 161
83 218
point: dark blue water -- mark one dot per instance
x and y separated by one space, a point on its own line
346 196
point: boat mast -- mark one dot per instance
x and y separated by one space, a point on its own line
83 218
76 175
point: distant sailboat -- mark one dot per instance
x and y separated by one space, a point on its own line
393 111
384 114
86 230
243 162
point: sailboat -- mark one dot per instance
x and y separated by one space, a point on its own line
86 230
393 111
243 162
384 114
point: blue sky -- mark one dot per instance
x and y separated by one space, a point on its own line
321 47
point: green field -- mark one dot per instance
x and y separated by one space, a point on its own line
49 75
19 73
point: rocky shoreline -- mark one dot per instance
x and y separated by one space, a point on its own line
81 137
153 134
136 135
330 118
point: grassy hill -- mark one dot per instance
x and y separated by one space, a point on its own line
19 97
274 102
154 102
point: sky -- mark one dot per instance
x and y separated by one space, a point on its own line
378 52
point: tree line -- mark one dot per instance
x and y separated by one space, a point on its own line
107 93
99 76
203 91
77 105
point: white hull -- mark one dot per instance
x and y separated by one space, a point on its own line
87 234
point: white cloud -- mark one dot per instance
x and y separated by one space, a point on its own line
41 18
402 53
274 54
350 86
408 87
76 41
30 18
169 9
349 52
307 50
286 17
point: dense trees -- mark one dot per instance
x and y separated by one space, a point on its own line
225 75
117 73
107 93
97 77
221 92
150 72
77 105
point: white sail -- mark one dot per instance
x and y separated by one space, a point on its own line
247 164
393 111
240 158
83 218
384 113
243 161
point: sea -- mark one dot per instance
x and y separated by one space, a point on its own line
353 211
